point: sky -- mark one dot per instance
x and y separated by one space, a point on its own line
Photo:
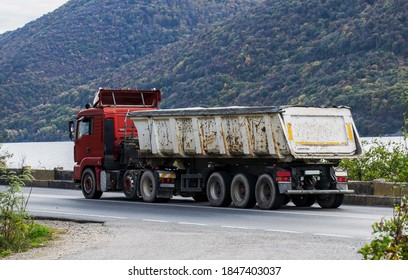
16 13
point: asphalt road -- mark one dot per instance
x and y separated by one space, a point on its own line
184 229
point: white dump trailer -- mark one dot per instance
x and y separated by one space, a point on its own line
244 155
284 133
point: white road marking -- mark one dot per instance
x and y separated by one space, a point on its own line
184 223
208 209
77 214
193 224
236 227
332 235
283 231
154 221
277 212
51 196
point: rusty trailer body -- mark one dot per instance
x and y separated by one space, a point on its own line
242 156
283 133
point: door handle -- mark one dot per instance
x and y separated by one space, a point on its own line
88 149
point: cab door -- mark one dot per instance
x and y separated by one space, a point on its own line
84 129
88 143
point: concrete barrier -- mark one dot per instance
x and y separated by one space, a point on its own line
376 193
56 178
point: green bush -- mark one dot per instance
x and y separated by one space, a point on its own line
379 162
18 232
390 237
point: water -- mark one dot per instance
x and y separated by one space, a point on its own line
368 142
50 155
40 155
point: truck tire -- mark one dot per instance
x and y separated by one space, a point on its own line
330 200
148 186
267 194
303 200
243 191
129 185
218 189
88 185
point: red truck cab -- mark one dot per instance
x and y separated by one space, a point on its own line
101 128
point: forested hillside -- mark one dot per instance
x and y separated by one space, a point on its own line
272 52
81 41
305 52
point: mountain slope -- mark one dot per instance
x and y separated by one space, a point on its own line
81 41
308 52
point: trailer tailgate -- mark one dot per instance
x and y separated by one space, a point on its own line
314 132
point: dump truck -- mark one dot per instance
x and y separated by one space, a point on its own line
244 156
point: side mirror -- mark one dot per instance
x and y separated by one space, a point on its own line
71 130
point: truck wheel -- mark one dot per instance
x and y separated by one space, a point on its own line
88 185
218 189
243 191
330 200
303 200
129 185
267 194
148 186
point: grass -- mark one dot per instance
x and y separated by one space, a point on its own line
37 235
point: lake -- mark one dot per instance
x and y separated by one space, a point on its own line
49 155
41 155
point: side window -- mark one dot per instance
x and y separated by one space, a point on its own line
85 127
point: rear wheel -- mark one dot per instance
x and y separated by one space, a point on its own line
330 200
243 191
88 185
267 194
218 189
303 200
148 186
129 185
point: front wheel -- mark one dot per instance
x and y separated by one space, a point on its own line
267 194
129 185
88 185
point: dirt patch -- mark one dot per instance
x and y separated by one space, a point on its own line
71 238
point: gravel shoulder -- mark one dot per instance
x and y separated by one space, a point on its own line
71 238
160 241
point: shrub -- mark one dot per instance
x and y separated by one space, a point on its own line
18 232
390 237
380 161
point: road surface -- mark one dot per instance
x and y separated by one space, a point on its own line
184 229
